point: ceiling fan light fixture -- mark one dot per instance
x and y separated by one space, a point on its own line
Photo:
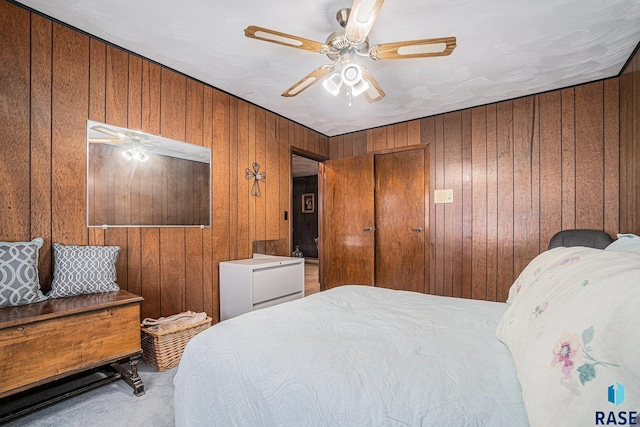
359 87
333 84
135 154
352 74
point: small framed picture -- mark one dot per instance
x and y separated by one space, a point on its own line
308 203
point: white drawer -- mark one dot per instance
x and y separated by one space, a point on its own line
262 281
275 282
277 301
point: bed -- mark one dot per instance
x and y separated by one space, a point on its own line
366 356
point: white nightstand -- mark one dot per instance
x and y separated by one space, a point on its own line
259 282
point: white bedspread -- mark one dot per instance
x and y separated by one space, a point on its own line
353 356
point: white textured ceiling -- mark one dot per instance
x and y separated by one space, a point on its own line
506 49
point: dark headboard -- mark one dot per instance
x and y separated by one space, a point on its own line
590 238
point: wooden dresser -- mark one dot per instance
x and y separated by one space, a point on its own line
53 339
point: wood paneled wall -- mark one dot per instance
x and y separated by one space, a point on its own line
520 171
53 79
630 147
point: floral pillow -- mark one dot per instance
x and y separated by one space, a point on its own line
531 273
575 334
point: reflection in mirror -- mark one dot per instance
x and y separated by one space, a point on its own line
137 179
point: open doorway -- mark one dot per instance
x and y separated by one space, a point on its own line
304 216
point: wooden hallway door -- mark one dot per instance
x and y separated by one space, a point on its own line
348 222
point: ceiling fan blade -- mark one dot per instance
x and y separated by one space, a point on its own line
314 76
363 15
413 49
105 141
108 131
284 39
374 92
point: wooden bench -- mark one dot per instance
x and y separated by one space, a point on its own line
54 339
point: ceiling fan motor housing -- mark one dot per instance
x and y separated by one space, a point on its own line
339 46
338 43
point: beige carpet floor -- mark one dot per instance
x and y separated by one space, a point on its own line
111 405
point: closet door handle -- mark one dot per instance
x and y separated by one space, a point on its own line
369 229
417 229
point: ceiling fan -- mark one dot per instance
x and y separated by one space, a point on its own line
117 137
134 145
138 146
131 140
345 46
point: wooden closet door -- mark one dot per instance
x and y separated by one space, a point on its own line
348 222
400 220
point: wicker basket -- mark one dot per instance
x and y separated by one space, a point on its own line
163 349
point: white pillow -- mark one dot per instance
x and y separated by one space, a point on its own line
625 242
574 334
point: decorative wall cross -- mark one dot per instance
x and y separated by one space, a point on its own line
256 176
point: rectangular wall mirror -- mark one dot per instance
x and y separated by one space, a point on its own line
135 179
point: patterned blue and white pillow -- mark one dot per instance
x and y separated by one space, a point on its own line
80 270
19 281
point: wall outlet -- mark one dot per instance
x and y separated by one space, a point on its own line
443 196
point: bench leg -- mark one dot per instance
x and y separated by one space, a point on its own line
131 377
